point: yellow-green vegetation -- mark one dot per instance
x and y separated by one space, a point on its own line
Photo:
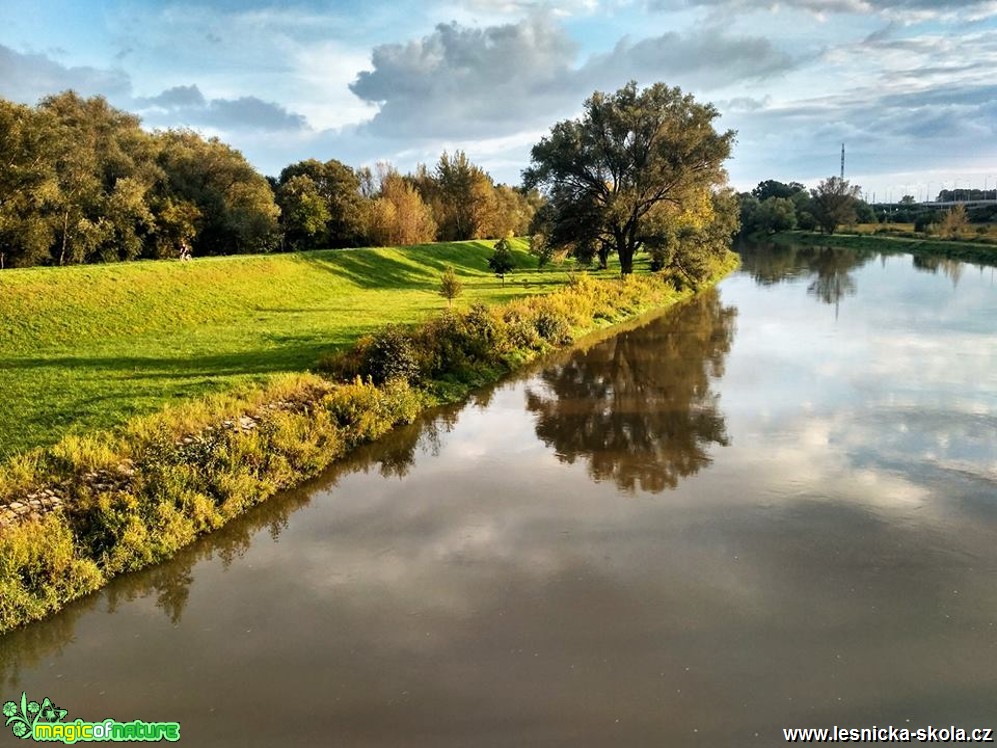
984 233
135 495
90 347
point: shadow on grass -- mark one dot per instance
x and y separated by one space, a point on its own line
292 355
366 269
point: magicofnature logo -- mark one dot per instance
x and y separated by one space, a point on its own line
44 722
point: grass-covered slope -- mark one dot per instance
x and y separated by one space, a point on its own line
89 347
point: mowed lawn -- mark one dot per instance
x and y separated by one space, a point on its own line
89 347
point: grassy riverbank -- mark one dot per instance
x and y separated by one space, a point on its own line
90 347
959 250
133 496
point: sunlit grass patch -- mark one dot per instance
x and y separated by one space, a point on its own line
89 347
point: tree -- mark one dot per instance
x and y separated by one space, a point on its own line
398 215
629 153
466 198
304 212
501 262
339 187
773 188
776 214
237 209
833 203
28 184
450 286
541 249
955 221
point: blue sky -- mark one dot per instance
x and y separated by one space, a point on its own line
906 84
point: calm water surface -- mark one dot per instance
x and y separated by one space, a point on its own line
775 506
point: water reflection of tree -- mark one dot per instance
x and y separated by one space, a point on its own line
639 407
952 269
832 268
829 268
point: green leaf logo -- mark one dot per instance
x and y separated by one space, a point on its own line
22 718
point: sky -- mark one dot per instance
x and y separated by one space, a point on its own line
906 85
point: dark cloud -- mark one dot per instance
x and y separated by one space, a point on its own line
186 105
699 59
249 112
460 81
26 77
178 96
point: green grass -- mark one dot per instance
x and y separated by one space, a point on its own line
90 347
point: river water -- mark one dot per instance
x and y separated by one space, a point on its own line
775 506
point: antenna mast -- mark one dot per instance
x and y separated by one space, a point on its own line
842 161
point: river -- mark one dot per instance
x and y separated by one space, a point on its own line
774 506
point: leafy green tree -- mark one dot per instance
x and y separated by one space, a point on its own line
773 188
28 184
238 212
776 214
501 261
176 227
833 203
629 152
107 171
541 249
304 212
864 212
450 286
465 198
339 186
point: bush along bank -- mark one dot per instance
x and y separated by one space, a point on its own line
74 515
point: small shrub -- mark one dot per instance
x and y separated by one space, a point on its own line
389 354
552 327
450 286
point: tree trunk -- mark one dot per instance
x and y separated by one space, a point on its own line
625 250
65 237
603 256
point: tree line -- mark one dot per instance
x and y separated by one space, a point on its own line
775 206
81 181
639 171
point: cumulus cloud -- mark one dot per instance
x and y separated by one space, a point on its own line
171 98
26 77
187 105
478 82
464 80
700 59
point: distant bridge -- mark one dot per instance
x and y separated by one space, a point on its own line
937 204
950 203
